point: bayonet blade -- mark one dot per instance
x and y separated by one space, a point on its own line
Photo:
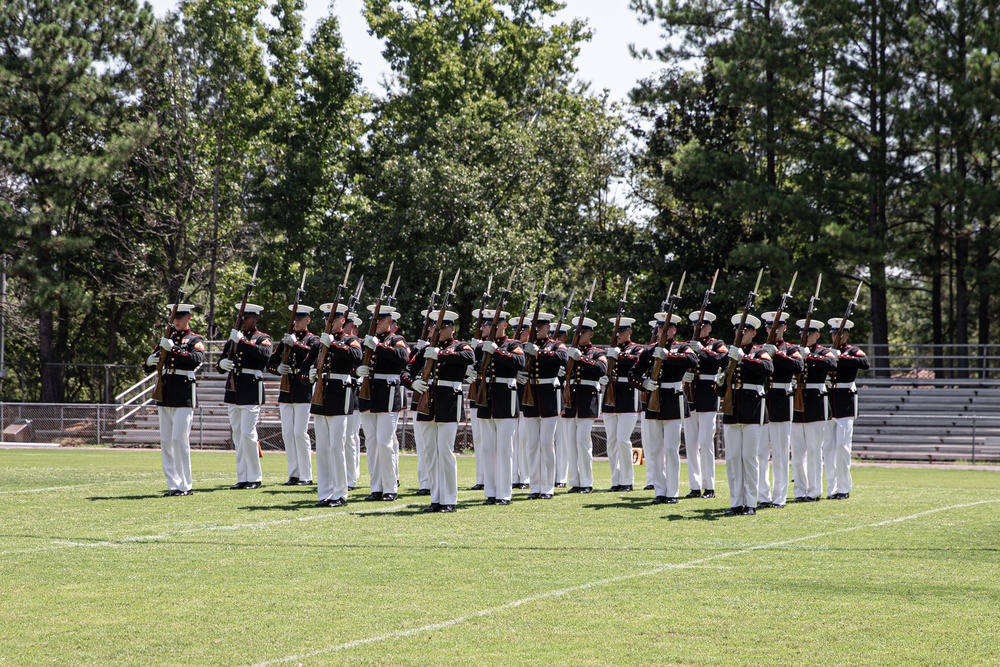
510 282
545 286
792 285
628 281
569 302
347 275
454 283
388 276
302 287
760 274
395 289
489 285
187 277
857 293
437 290
819 281
253 278
593 286
681 285
714 278
670 291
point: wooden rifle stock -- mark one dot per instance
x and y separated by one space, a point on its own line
799 400
610 399
688 387
365 391
728 403
568 390
531 388
238 325
424 404
482 387
319 390
286 380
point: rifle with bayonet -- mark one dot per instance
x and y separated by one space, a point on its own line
799 402
158 389
528 395
843 322
365 391
609 395
425 330
773 334
728 403
482 383
319 389
567 390
653 404
707 299
286 380
524 313
238 325
424 404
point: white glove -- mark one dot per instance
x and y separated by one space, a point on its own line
720 377
227 364
235 335
326 339
603 380
153 360
696 346
736 353
420 344
371 342
522 378
659 353
613 352
363 371
470 374
166 344
531 348
574 353
835 353
489 347
313 374
419 386
431 353
475 342
562 372
794 383
284 369
289 339
648 385
688 377
770 349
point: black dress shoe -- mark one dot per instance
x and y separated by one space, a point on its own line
169 492
800 499
503 501
184 493
374 495
252 485
476 487
423 492
292 481
625 488
776 506
303 482
648 487
671 501
573 489
490 501
708 493
812 499
733 511
534 496
545 496
586 489
324 503
447 509
659 500
845 496
239 485
433 507
388 497
560 485
749 511
695 493
763 505
614 489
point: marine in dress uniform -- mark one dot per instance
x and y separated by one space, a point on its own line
776 441
620 419
547 359
699 426
339 403
423 472
809 426
586 380
743 429
839 439
353 449
498 418
251 350
380 415
662 448
563 425
474 425
654 326
440 428
293 405
521 477
185 350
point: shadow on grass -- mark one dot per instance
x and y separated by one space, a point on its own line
706 514
160 494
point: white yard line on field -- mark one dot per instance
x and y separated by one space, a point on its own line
399 634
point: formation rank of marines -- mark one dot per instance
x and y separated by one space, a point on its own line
534 398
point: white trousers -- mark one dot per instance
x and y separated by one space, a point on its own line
563 444
581 452
644 434
331 457
837 443
498 456
742 442
774 443
383 466
423 466
175 447
477 438
243 421
522 468
699 442
439 447
295 433
353 449
540 444
618 427
662 452
807 458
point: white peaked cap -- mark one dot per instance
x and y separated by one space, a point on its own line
751 321
450 316
251 309
302 309
815 325
624 323
695 314
834 323
662 316
587 322
768 317
182 308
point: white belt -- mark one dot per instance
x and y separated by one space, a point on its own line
787 386
553 381
590 383
819 386
457 386
187 374
504 380
754 387
676 386
849 387
343 377
388 377
252 371
622 379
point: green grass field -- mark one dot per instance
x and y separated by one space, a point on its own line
98 569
